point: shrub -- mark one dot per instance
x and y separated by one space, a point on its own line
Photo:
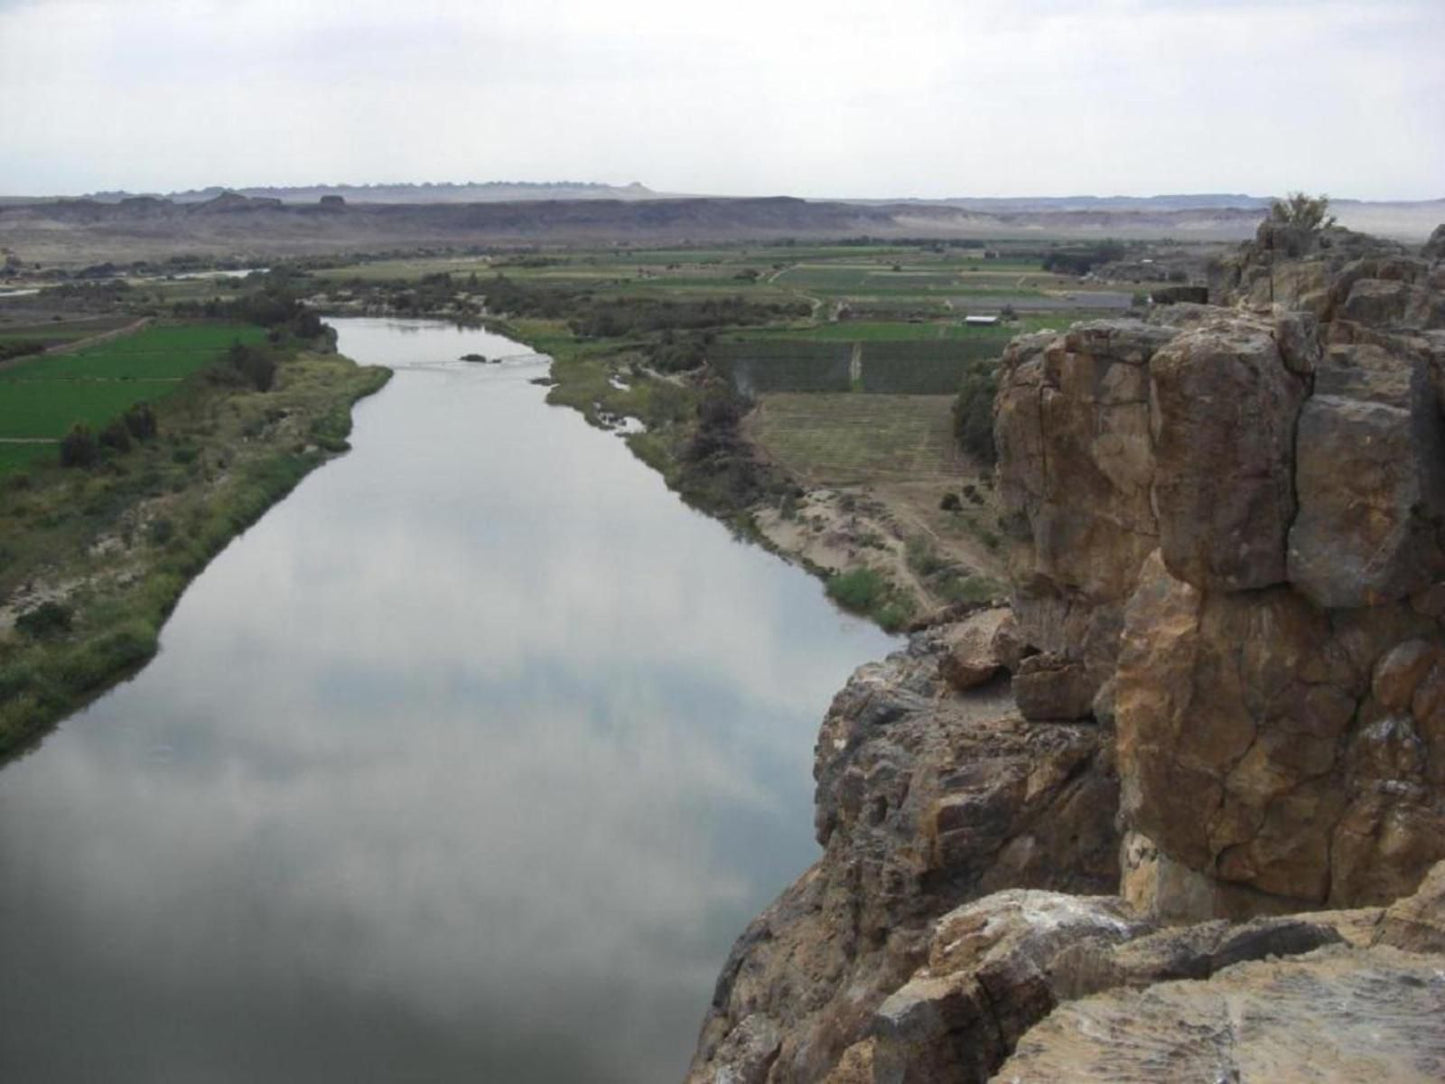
250 366
860 590
78 448
46 621
116 436
973 412
675 354
140 421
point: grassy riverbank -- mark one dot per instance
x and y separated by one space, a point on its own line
93 559
803 394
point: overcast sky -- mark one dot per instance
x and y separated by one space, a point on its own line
748 97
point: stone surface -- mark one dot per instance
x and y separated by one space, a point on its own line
1417 923
1434 249
997 967
1220 585
1340 1014
1223 408
987 982
926 799
974 652
1370 481
1049 687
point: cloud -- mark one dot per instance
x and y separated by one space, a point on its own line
922 98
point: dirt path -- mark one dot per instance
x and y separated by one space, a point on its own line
79 344
103 337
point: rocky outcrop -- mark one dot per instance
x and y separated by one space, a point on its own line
1181 814
1224 529
926 799
1339 1014
1042 986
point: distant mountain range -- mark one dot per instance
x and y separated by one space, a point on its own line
526 191
269 223
465 192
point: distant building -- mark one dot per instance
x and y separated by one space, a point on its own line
984 321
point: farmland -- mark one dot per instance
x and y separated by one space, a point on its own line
843 440
41 398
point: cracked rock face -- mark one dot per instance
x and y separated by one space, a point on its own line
1234 528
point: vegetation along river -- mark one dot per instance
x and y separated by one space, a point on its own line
467 762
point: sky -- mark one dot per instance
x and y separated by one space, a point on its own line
912 98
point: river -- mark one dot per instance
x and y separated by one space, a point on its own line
466 763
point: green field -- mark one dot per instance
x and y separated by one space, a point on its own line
763 365
894 359
45 396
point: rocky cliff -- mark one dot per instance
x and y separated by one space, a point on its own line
1167 819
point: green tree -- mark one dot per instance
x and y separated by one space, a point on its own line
78 448
1296 223
1303 212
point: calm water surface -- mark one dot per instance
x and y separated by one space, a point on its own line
467 762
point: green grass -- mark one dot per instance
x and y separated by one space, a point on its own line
46 408
166 352
16 457
45 396
67 329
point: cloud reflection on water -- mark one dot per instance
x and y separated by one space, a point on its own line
470 758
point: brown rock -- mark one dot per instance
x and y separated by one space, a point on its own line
924 801
988 981
1297 337
1417 923
1048 687
1223 417
1338 1015
1228 734
1370 481
1075 472
973 656
1393 828
998 966
1399 673
1376 301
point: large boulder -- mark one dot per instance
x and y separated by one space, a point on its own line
1370 480
1335 1016
977 648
